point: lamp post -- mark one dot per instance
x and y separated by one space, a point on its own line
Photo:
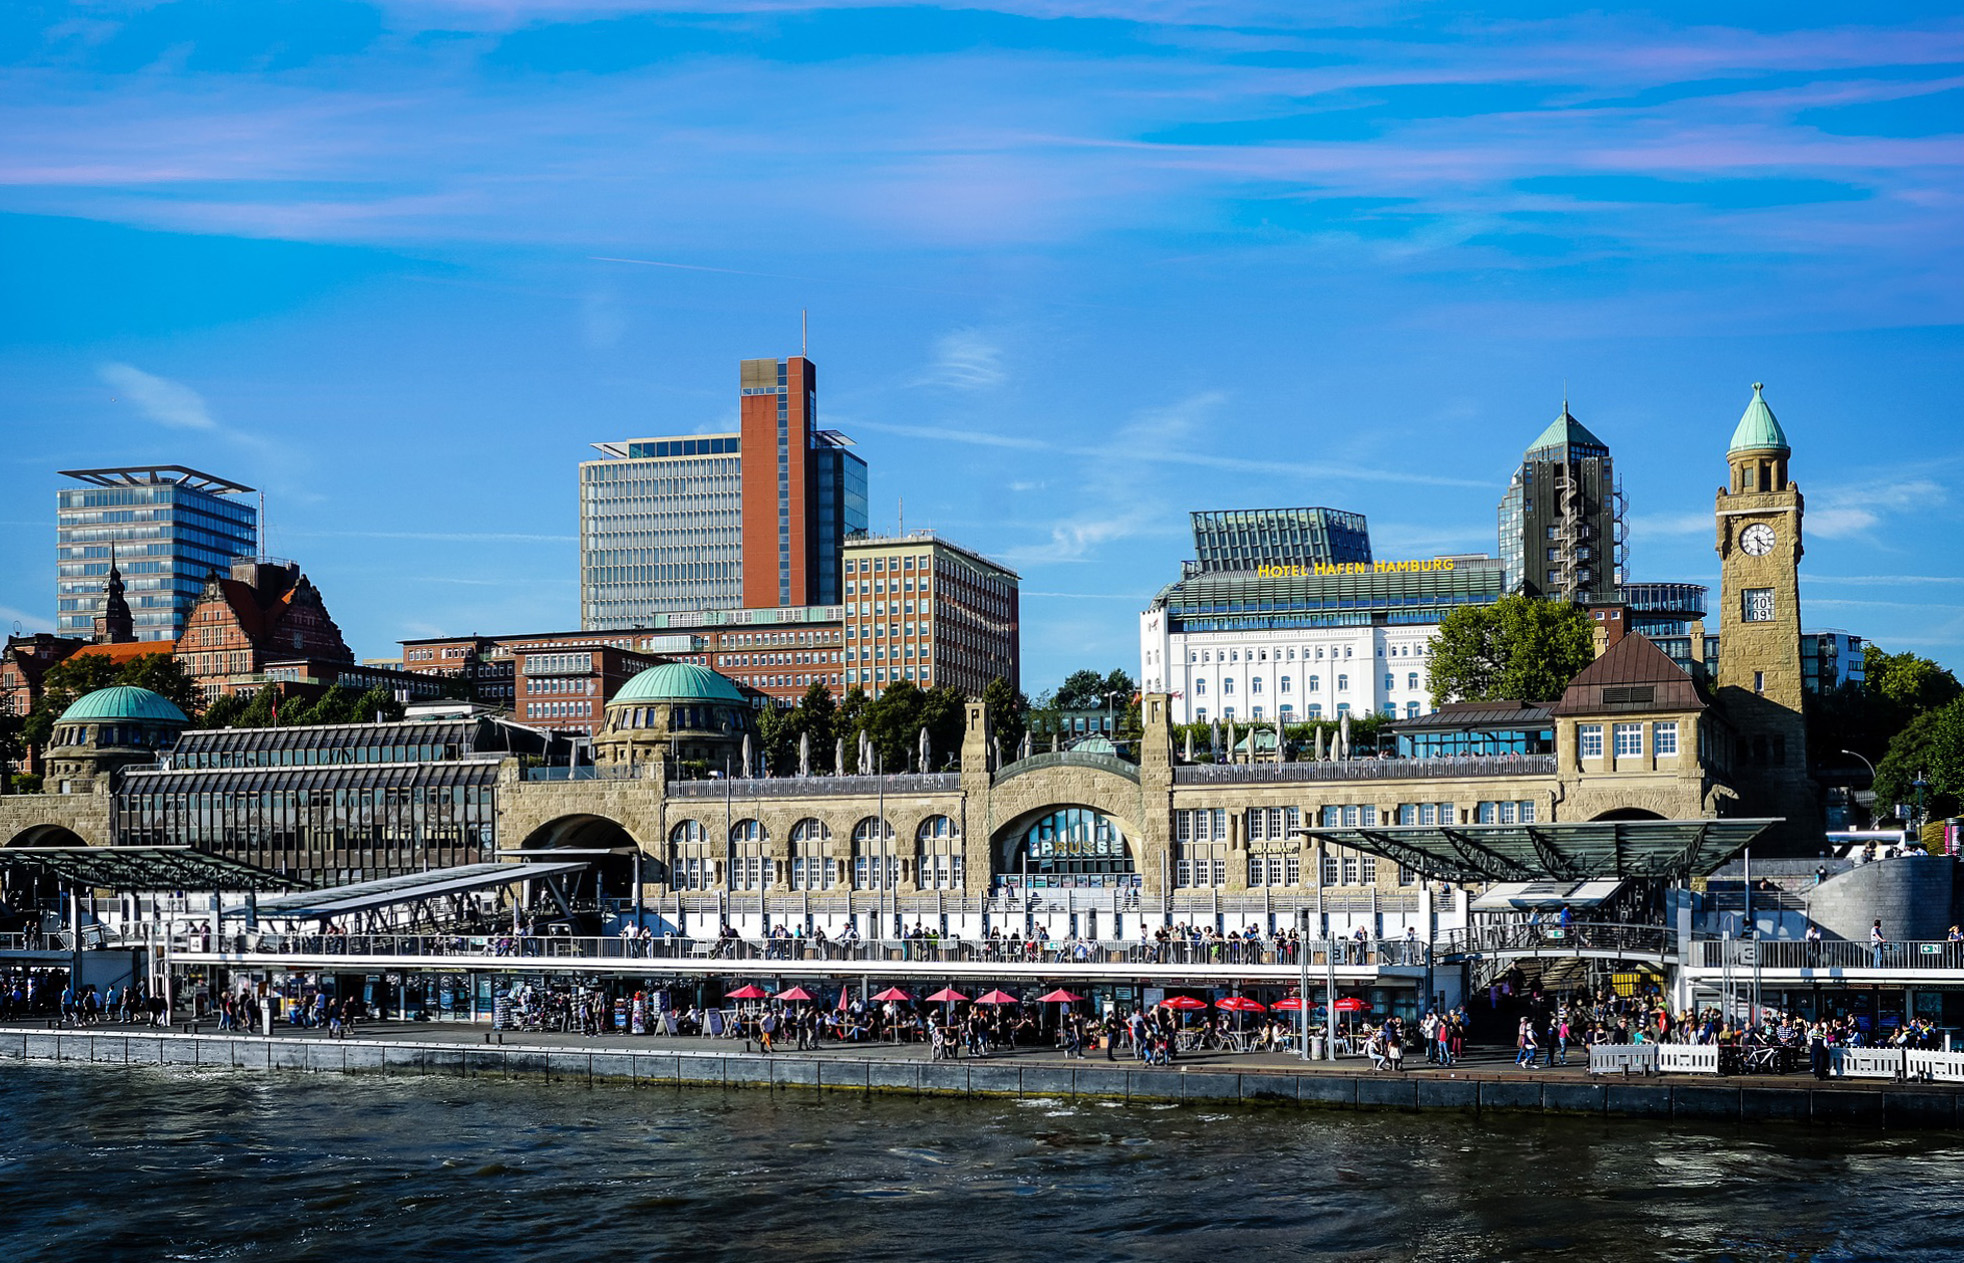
1920 784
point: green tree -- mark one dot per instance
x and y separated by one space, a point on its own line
1088 690
846 723
1930 746
13 746
1008 715
1521 648
163 674
1866 716
223 711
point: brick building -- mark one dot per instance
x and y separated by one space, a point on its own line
921 608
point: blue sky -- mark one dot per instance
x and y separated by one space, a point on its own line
1073 268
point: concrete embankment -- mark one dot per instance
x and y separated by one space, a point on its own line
1856 1104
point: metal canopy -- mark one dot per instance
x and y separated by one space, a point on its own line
1574 851
387 892
134 868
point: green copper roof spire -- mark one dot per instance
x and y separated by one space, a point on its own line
1758 431
1565 431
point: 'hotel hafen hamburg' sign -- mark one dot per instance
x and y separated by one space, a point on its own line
1353 567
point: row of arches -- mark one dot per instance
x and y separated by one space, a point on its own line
872 859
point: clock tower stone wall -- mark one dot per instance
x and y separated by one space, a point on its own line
1760 691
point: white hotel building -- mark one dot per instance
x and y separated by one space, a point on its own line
1285 642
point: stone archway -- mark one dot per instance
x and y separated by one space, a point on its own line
609 876
1066 845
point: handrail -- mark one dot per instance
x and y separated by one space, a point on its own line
1547 937
1064 953
1836 954
1363 770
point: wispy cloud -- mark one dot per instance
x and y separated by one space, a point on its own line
159 398
966 360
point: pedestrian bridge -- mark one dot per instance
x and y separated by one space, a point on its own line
1583 940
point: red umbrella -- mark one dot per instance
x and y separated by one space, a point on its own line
1183 1003
1351 1004
997 997
946 993
751 992
796 993
1242 1004
892 993
845 998
1059 996
1291 1005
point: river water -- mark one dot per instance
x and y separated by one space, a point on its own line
151 1164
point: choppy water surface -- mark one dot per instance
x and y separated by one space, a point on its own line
99 1163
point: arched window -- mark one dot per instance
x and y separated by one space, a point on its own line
750 856
1071 847
938 849
812 865
690 865
874 856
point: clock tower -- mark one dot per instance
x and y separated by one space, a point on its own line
1759 515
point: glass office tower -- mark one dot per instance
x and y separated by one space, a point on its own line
169 528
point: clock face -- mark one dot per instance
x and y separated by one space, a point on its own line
1757 539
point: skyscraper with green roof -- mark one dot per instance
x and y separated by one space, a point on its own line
1561 521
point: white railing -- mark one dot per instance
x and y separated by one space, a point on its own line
1226 953
1687 1058
1623 1059
1838 954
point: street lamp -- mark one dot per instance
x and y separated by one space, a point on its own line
1865 763
1919 785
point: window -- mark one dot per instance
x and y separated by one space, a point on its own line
689 864
1589 740
872 842
1285 684
1200 688
749 856
1227 686
1315 683
812 865
1255 685
1200 865
1274 870
1343 684
1628 740
1329 870
1411 710
1664 739
1390 681
1411 680
939 844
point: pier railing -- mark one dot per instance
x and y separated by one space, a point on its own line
1063 953
1837 954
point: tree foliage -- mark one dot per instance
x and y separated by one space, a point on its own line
1088 690
1009 716
1866 717
1930 746
1521 648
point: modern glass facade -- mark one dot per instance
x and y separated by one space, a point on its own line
1247 539
660 533
169 528
1561 521
328 805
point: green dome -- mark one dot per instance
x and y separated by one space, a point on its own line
679 682
1758 431
123 701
